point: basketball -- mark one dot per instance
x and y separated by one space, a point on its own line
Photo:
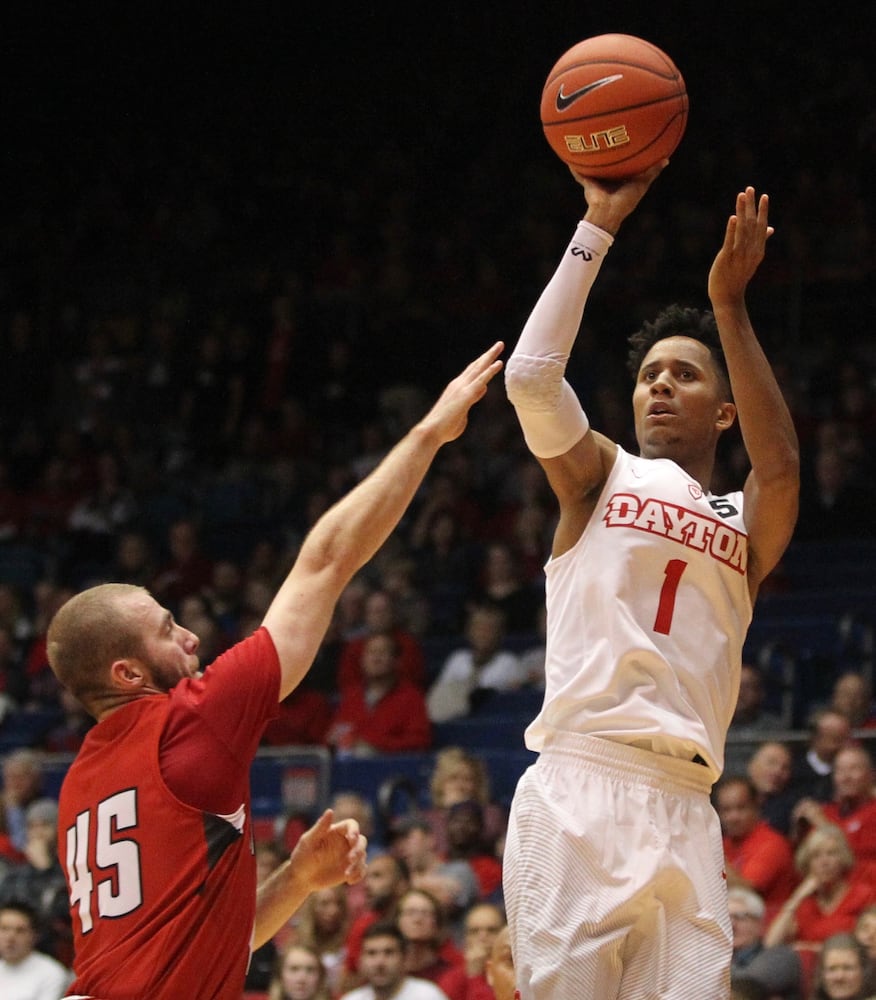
613 106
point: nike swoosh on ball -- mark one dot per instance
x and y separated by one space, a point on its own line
563 100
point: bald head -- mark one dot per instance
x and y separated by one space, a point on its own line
89 632
770 768
830 733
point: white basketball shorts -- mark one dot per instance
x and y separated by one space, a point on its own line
614 877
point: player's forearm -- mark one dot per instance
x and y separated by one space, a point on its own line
548 409
781 929
553 324
277 899
764 419
352 531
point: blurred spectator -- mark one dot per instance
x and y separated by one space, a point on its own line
25 972
48 504
387 878
499 971
833 504
68 734
224 595
384 950
350 609
133 561
322 925
482 924
844 970
852 807
212 399
40 880
452 882
751 722
828 899
265 564
502 584
829 732
384 712
865 930
14 686
429 951
460 775
9 853
300 976
533 657
852 696
15 616
100 515
777 969
194 613
770 769
466 842
756 856
11 506
303 719
269 856
188 569
398 581
482 665
22 784
379 617
445 563
43 688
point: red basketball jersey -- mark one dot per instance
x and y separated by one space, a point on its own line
162 893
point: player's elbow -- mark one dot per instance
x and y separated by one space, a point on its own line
533 383
783 471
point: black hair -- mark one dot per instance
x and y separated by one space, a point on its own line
737 780
26 910
678 321
384 928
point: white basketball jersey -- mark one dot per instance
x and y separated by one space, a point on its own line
647 614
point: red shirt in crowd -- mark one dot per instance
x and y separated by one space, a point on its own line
411 660
814 925
396 722
765 860
858 823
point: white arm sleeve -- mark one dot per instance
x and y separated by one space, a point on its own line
547 407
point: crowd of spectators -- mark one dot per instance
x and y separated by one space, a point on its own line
206 342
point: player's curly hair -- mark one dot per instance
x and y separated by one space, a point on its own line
678 321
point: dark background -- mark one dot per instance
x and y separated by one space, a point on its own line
197 161
137 95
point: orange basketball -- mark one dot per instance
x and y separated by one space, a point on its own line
613 106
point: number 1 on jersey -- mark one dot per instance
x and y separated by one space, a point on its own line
665 609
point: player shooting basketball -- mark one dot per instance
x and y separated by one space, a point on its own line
650 588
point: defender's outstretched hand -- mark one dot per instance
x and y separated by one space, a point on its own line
742 251
449 415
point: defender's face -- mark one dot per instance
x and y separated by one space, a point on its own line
170 649
678 402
